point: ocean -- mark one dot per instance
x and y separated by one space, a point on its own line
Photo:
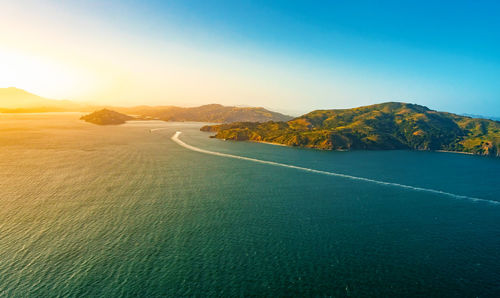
121 211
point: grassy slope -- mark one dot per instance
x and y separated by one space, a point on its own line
389 125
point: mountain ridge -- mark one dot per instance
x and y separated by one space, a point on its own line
207 113
14 100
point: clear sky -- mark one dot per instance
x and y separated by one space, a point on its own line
292 56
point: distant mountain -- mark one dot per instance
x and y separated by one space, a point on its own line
13 100
16 100
391 125
207 113
482 117
106 117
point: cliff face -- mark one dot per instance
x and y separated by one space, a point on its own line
106 117
389 125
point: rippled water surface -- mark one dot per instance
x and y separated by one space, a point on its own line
122 211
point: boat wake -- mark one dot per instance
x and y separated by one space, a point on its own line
176 139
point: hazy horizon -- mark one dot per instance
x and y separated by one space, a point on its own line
284 111
290 56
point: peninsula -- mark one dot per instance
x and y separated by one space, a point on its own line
391 125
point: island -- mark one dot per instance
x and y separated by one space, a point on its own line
390 125
106 117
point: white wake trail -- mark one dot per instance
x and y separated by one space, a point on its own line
156 129
176 139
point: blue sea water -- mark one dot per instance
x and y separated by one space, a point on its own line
122 211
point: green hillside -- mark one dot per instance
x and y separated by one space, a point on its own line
391 125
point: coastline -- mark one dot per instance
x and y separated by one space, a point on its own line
270 143
441 151
456 152
283 145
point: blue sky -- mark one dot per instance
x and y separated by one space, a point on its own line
289 55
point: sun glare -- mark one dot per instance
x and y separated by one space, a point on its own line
38 74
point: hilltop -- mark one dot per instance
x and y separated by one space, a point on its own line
106 117
391 125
